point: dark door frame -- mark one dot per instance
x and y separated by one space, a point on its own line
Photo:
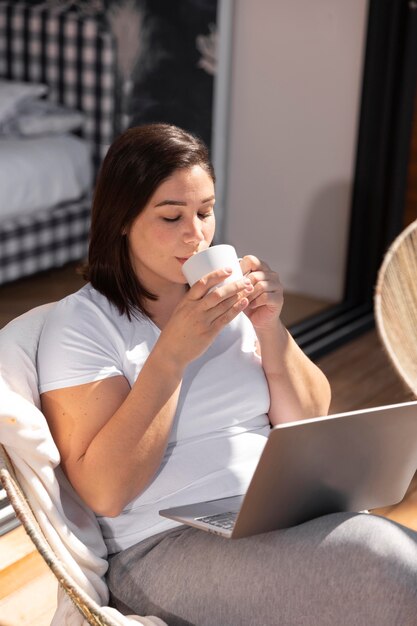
383 145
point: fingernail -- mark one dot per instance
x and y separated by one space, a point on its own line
229 270
247 281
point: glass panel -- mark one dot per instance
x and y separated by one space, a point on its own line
410 212
295 83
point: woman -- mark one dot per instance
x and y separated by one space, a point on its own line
158 395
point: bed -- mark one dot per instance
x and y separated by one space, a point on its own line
71 60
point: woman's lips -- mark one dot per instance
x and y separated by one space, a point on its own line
183 259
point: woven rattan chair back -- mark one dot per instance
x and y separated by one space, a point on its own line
395 305
89 609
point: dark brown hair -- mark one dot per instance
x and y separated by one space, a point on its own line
138 161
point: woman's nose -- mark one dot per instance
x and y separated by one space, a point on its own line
194 231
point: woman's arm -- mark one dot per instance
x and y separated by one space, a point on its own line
112 438
297 387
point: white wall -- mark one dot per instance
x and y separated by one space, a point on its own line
296 71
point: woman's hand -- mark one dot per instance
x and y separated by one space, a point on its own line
266 299
297 388
201 315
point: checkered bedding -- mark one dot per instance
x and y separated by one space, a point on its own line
76 57
49 239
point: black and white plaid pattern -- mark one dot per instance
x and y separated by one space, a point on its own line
76 57
49 239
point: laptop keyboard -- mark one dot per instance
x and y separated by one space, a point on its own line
222 520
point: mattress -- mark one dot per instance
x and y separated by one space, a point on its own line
42 172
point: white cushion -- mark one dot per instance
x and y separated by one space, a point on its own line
14 93
41 117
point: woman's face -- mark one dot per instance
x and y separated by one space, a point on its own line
177 222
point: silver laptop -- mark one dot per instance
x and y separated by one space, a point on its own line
347 462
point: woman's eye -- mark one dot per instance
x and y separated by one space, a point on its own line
202 216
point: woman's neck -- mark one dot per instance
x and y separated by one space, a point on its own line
162 309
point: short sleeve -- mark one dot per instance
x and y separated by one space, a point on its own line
79 344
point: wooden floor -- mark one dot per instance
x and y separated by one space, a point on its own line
359 373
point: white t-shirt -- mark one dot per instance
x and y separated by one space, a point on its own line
220 426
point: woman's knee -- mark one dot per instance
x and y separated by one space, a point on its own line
371 535
357 565
375 550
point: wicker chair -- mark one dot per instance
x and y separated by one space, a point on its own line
18 383
89 609
395 305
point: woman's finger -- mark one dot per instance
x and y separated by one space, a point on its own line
264 275
224 318
258 288
217 304
207 282
226 291
251 263
261 300
268 286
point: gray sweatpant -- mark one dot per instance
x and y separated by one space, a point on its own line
337 570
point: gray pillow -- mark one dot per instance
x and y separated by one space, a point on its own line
40 117
15 93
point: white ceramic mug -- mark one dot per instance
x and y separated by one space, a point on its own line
214 258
